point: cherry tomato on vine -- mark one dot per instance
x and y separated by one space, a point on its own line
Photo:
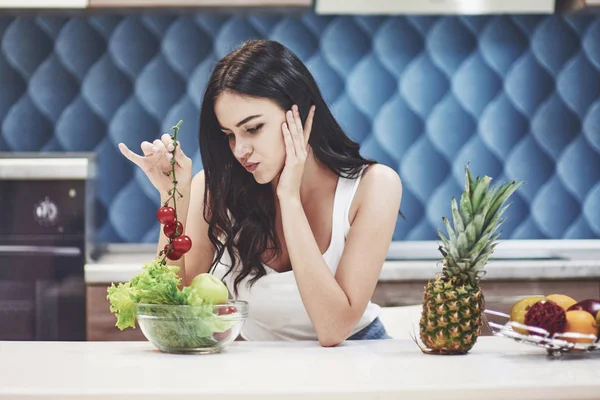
166 215
169 229
182 244
172 254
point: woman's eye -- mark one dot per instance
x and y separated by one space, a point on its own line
255 129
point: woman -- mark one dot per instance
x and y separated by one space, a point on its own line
286 195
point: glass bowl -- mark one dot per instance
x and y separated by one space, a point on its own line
201 329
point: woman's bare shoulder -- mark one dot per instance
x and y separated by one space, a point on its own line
379 176
377 181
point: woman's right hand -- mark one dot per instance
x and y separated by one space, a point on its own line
156 162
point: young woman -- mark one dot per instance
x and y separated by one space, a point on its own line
286 211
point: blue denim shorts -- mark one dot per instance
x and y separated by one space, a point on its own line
374 331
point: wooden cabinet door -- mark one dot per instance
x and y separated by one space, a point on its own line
101 322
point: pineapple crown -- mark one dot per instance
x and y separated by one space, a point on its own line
472 238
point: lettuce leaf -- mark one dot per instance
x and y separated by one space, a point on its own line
123 303
156 284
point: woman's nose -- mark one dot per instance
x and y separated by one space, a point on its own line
242 148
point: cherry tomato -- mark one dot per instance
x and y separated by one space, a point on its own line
166 215
227 310
220 336
182 244
169 229
172 254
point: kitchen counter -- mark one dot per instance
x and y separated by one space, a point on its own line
496 368
410 261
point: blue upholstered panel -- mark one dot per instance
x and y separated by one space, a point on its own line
515 95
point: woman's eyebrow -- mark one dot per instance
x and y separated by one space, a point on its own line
242 122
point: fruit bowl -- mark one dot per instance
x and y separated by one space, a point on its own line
555 344
203 329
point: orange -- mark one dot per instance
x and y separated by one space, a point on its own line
581 321
564 301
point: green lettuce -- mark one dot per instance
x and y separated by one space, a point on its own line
123 303
158 284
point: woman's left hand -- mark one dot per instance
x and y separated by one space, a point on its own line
296 148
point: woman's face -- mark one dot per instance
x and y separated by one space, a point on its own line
253 128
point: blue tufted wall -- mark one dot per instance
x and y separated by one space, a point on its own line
515 95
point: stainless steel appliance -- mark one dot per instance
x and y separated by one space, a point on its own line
45 226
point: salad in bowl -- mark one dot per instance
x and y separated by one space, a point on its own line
198 318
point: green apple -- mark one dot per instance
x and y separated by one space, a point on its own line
210 288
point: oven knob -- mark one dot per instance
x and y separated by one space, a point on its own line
46 212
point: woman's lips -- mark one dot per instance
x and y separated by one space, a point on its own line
251 167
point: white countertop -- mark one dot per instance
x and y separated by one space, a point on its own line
517 259
496 368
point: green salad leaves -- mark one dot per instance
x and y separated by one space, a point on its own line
148 295
156 284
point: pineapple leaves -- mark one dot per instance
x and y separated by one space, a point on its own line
501 196
471 232
469 182
466 210
488 249
480 190
453 251
478 223
459 226
449 229
463 244
445 241
472 235
486 203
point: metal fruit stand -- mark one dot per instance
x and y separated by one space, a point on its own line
556 345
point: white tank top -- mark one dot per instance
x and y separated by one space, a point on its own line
276 311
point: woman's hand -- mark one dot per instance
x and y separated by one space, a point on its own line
296 149
156 163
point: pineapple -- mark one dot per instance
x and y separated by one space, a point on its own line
453 302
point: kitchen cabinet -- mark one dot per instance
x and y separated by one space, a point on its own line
499 295
101 322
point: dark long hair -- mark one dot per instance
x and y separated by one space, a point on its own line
262 69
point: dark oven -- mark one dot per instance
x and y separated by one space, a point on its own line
45 219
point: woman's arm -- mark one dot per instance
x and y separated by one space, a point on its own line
335 304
